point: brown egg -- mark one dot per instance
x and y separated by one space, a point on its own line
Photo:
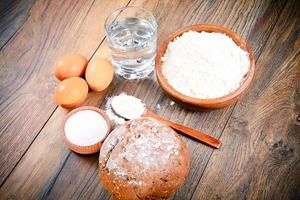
71 92
71 65
99 74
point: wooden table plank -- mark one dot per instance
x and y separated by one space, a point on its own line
260 156
27 81
13 14
81 171
83 174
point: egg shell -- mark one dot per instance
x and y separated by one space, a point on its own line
70 65
92 148
99 74
71 92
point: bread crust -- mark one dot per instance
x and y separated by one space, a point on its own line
143 159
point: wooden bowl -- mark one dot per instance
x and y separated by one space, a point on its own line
212 103
91 148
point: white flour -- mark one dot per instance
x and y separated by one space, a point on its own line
205 65
115 119
127 106
172 103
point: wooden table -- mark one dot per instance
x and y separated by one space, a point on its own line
260 154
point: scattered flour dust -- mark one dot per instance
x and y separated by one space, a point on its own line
172 103
205 65
145 145
158 106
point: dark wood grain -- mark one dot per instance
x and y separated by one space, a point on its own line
50 170
260 156
212 122
13 14
52 29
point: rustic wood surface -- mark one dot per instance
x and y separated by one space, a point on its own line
12 14
260 153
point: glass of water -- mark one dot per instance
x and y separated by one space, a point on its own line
131 35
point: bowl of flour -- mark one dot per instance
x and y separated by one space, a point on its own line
207 66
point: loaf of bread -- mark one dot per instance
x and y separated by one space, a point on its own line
143 159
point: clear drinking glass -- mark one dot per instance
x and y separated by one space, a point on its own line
131 34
